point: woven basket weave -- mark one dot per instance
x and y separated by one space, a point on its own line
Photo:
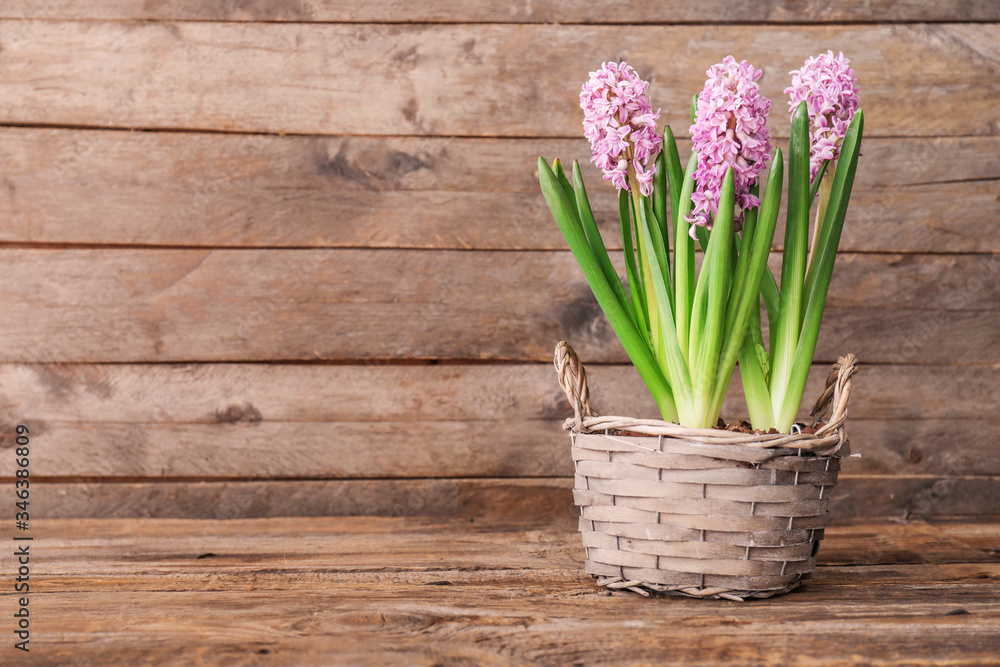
705 513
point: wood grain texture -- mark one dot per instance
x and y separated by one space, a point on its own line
244 394
417 592
856 497
460 80
419 234
294 421
338 450
108 187
240 305
545 11
533 543
414 620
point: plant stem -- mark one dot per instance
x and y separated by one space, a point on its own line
821 204
655 333
684 280
631 270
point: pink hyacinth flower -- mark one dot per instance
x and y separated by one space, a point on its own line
830 90
620 123
730 130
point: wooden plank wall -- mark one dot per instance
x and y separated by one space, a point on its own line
289 258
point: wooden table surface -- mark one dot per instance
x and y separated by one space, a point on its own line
417 591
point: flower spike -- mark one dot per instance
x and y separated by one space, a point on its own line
830 90
620 123
730 131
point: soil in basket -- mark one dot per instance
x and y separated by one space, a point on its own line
741 426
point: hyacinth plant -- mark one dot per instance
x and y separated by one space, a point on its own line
826 130
683 331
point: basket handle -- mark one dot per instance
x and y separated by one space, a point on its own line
837 391
573 380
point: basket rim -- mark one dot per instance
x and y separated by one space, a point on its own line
831 435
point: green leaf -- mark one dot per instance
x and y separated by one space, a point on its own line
821 271
631 270
596 242
793 261
676 369
755 385
694 109
743 247
771 294
557 169
754 334
635 346
704 237
762 359
645 277
647 254
699 307
744 311
718 267
684 277
659 251
675 175
814 188
772 304
660 194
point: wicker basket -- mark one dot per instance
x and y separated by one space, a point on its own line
705 513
